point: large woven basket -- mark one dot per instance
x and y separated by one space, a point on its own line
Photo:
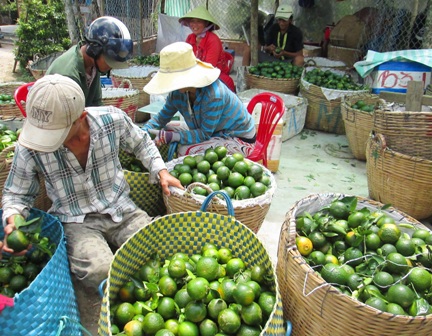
324 105
39 66
284 85
42 201
139 76
400 180
124 97
358 124
187 232
406 132
251 212
316 308
347 55
10 111
48 305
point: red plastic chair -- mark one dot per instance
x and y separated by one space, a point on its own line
20 96
272 110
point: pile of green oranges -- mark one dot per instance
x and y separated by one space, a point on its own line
363 106
277 69
17 272
368 256
210 293
238 177
6 99
332 80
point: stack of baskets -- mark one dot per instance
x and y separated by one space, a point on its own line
315 307
347 55
251 212
358 124
39 66
10 111
139 76
324 105
124 97
399 160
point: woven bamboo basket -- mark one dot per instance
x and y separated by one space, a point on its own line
311 51
10 111
39 66
284 85
322 62
398 179
316 308
139 76
324 105
124 97
187 232
250 212
358 124
42 201
406 132
347 55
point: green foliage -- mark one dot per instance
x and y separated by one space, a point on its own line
42 30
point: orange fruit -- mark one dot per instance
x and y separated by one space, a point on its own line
304 245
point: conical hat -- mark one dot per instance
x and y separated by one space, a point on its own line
200 13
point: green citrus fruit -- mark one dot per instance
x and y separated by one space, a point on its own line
17 241
401 294
229 321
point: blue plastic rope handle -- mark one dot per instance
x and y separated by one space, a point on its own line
172 149
289 328
102 287
206 202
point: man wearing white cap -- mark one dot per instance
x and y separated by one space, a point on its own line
76 151
214 115
284 41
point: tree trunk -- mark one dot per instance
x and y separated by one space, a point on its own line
254 32
70 19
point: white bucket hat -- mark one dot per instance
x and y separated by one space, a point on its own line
179 68
54 102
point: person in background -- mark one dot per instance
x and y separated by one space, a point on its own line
76 150
284 41
108 45
206 45
214 115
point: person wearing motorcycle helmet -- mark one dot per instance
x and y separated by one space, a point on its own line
107 45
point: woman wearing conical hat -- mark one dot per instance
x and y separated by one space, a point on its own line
206 45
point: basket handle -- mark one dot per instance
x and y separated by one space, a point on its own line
172 149
191 186
150 74
101 287
289 328
380 140
206 202
128 82
310 62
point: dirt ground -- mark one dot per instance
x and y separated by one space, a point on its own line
89 303
7 58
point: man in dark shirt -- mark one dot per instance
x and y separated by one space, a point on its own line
284 41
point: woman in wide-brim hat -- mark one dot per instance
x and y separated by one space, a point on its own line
213 114
206 45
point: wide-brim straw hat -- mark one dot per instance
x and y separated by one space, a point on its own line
179 68
199 12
